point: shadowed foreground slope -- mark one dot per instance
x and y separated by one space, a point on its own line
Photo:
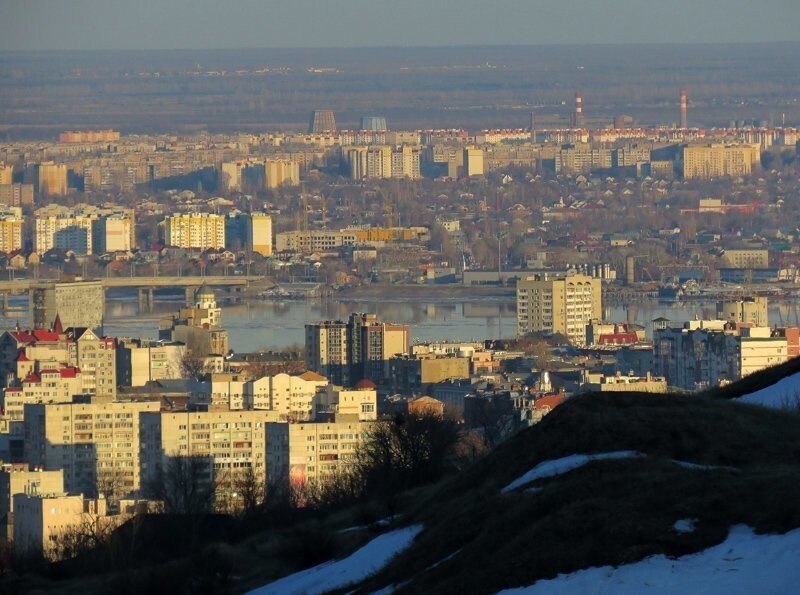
479 540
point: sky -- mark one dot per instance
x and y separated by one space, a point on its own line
212 24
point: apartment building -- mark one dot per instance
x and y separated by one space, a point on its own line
717 160
291 398
6 174
281 172
21 479
704 353
44 386
746 258
228 444
51 178
195 230
96 357
10 232
17 195
98 445
302 453
41 519
473 161
78 304
558 304
414 372
249 231
140 361
358 349
750 311
64 232
327 350
25 351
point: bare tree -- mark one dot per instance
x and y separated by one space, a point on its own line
91 532
184 484
251 489
192 367
404 452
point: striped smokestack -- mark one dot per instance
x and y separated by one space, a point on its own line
683 109
577 118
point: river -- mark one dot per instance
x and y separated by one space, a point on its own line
255 325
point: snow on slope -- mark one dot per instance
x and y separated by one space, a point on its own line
743 564
334 575
563 465
784 394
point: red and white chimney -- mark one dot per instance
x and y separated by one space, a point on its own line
683 110
577 118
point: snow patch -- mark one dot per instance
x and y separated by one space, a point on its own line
743 564
784 394
684 525
699 467
337 574
563 465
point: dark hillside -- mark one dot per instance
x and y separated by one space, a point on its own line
606 512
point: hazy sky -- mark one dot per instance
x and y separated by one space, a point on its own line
167 24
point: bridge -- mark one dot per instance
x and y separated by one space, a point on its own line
147 285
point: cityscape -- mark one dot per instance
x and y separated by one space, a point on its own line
412 319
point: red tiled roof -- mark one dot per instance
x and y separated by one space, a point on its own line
45 335
14 389
548 401
22 357
69 372
33 378
23 336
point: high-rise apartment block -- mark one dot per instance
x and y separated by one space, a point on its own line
249 231
98 445
559 304
140 361
473 161
64 232
281 172
717 160
383 161
85 229
230 446
16 195
10 232
6 174
299 453
360 348
79 304
52 178
195 230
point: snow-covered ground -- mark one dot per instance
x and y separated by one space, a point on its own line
743 564
784 394
563 465
356 567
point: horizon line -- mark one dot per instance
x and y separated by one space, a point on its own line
407 47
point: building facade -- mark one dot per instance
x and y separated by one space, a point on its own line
563 304
195 230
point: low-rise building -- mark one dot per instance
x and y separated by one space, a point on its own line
413 372
42 520
21 479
